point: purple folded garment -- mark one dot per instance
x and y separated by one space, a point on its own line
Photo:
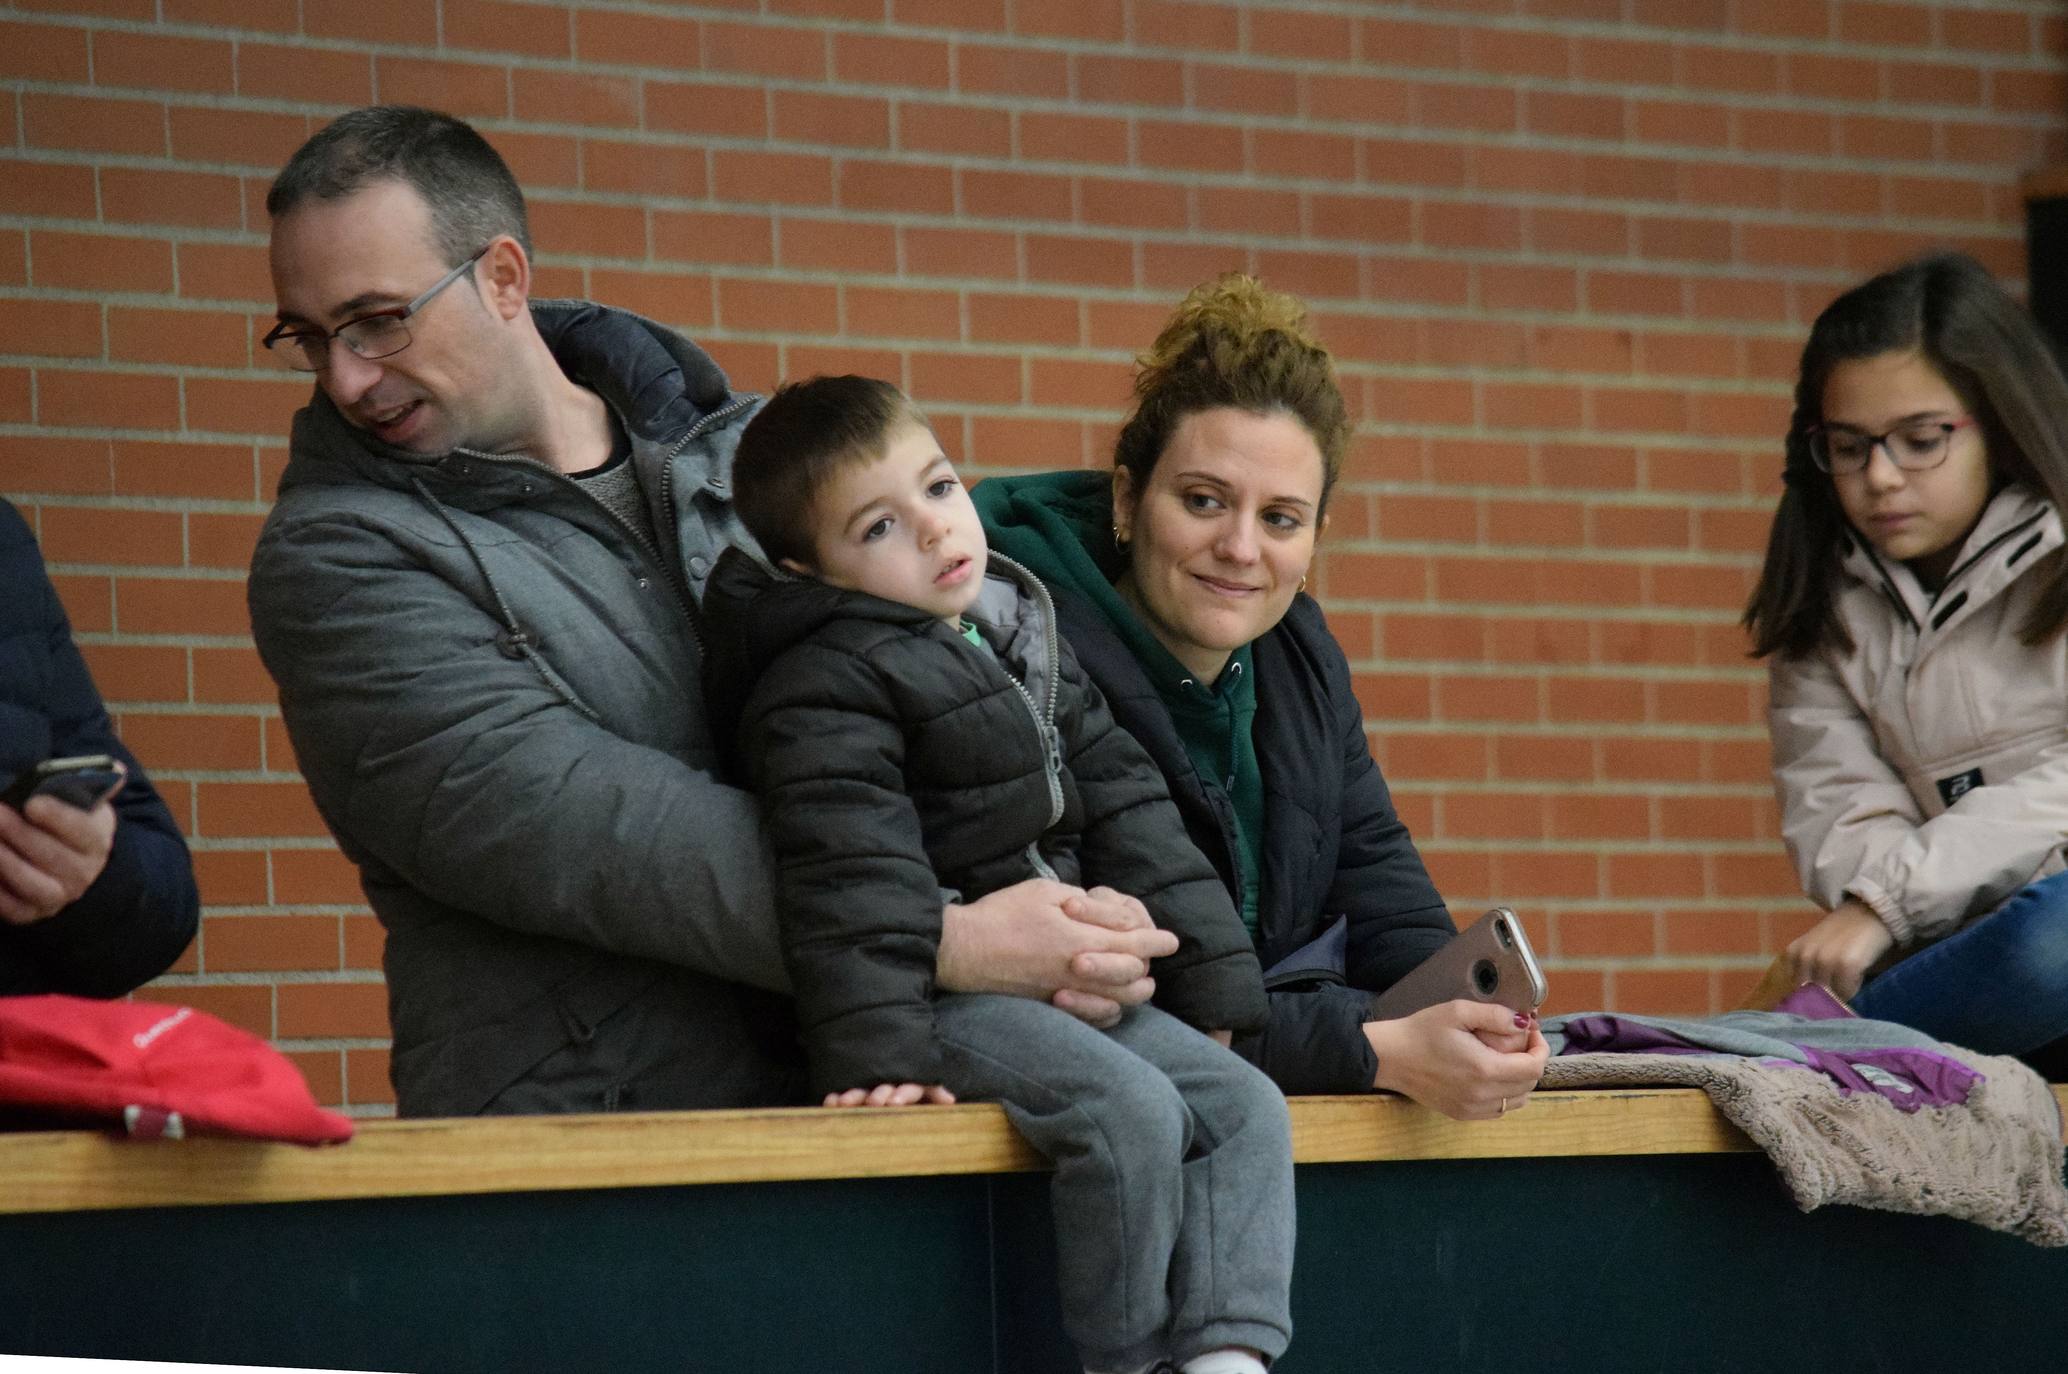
1814 1002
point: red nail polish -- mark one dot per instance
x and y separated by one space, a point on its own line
1521 1021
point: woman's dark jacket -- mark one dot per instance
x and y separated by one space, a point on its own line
142 910
1346 906
900 766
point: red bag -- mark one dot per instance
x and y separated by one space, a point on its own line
159 1070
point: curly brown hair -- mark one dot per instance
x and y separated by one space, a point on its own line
1234 342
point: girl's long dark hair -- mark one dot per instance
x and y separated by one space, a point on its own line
1991 352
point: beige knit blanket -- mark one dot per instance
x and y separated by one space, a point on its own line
1995 1159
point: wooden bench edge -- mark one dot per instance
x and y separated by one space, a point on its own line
57 1171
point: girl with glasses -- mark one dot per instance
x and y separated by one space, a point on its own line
1911 610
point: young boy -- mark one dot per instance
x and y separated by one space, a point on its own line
920 734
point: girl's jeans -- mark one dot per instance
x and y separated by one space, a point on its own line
1999 986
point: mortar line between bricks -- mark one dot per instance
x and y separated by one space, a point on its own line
274 979
1092 293
1464 789
1675 440
243 709
1137 238
1877 108
237 911
1693 42
1537 725
1736 218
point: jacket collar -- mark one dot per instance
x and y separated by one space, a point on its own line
770 609
2017 529
757 612
659 384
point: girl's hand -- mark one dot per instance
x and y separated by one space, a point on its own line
892 1095
1838 950
1469 1060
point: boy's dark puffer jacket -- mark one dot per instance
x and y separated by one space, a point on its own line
899 766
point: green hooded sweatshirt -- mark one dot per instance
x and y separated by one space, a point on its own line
1060 525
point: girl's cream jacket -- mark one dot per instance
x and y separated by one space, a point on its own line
1926 771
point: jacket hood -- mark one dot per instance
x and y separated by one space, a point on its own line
1060 525
752 614
656 381
757 612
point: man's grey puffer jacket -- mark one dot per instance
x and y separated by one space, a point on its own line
492 687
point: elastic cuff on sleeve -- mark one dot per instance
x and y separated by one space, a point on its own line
1884 906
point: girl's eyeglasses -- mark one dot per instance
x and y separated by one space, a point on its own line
1914 446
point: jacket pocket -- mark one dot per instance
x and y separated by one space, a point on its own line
1322 961
463 1074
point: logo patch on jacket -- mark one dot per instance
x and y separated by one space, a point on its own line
1959 785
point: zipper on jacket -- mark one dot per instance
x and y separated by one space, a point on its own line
638 538
1051 768
1889 589
1044 713
1952 605
513 640
1991 546
724 412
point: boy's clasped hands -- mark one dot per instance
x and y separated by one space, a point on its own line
1101 939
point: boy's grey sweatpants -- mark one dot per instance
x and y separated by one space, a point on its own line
1173 1189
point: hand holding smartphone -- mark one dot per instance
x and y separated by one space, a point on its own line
81 781
1488 961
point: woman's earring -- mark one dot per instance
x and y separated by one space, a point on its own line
1119 539
1303 583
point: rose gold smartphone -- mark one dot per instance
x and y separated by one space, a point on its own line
1488 961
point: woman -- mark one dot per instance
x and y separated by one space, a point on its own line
1178 579
1913 604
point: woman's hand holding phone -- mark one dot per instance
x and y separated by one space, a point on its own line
1469 1060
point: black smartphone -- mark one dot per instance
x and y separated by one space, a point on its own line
1488 961
81 781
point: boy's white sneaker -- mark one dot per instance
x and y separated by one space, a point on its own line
1223 1362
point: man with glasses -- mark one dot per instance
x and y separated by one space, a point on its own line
478 594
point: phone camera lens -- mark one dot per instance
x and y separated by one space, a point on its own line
1484 979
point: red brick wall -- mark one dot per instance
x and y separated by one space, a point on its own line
1564 249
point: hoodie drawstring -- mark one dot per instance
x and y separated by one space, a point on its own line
513 641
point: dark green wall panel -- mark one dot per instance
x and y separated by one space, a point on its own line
1692 1263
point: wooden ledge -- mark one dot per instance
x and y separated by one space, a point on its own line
61 1171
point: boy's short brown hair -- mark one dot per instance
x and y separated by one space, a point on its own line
807 432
